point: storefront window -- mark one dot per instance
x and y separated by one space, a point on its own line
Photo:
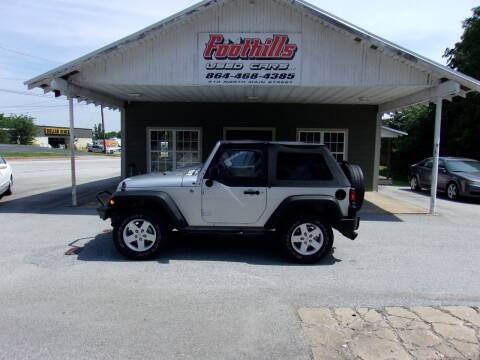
336 140
171 149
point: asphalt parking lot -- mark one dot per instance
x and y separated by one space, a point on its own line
211 298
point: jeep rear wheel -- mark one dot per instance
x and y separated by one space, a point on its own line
140 236
307 240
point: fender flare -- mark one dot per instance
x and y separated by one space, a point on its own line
147 199
299 204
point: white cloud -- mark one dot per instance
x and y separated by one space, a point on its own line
62 30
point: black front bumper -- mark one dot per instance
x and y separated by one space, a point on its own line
348 227
103 212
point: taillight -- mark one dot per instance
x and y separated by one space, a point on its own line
353 196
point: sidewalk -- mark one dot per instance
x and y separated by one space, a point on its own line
381 203
393 333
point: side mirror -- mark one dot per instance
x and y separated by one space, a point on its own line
212 174
442 170
3 166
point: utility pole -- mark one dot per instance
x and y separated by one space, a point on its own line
103 132
72 152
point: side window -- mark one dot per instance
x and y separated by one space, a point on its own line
241 167
335 140
302 167
428 164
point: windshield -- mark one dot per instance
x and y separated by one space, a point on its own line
468 166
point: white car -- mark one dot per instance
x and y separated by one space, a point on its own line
6 178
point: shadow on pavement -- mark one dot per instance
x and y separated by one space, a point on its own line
58 201
250 250
371 212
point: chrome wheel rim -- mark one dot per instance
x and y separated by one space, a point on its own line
413 183
452 191
307 239
139 235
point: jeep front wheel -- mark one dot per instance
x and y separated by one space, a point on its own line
140 236
307 240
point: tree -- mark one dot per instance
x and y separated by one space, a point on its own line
465 56
4 137
113 134
20 128
97 132
461 117
418 122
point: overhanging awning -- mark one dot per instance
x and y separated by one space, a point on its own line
389 133
69 80
342 64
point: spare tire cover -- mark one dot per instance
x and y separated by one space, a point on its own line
354 174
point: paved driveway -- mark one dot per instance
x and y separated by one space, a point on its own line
212 298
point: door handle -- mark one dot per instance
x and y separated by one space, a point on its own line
251 192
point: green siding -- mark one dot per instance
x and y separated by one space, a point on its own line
285 118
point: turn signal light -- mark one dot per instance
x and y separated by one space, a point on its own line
111 202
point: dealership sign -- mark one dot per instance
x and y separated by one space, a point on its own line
57 131
249 59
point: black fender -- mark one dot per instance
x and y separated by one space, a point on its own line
156 201
300 204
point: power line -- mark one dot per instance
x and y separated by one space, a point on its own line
11 78
28 55
17 92
33 107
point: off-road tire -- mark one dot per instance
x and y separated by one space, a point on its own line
292 228
355 175
158 228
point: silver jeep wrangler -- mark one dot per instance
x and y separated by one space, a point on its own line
295 190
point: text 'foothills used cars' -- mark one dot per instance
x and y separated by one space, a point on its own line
296 191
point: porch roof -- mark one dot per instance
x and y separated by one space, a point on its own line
446 84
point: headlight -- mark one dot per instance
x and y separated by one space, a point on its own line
121 186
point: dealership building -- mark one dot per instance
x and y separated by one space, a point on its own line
253 69
59 137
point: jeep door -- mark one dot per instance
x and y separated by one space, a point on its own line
234 189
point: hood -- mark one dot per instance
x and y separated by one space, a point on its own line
181 177
474 176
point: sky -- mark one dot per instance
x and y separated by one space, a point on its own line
38 35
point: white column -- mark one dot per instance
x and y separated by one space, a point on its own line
378 147
72 152
436 154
